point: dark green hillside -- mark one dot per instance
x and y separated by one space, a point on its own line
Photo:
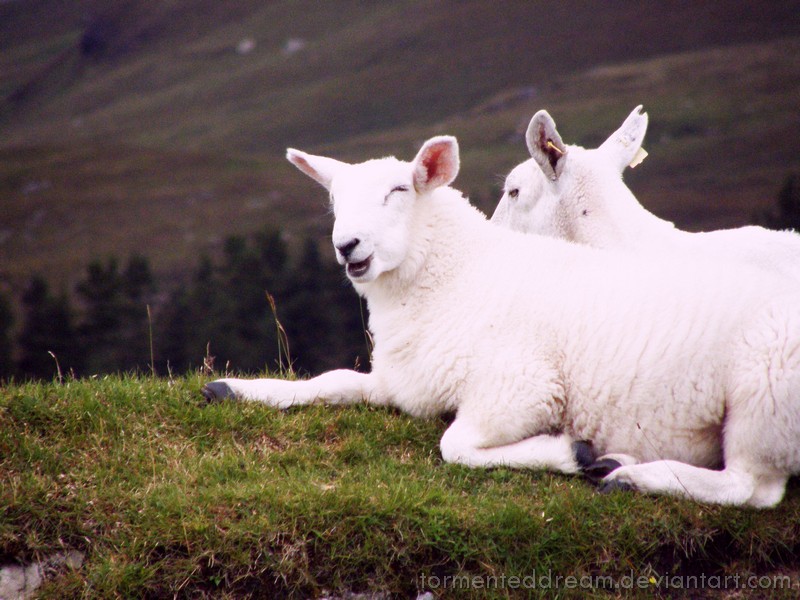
169 73
160 127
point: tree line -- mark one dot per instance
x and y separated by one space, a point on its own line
253 308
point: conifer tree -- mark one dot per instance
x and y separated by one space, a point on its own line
787 215
172 332
789 203
6 344
208 319
101 294
138 288
48 341
303 312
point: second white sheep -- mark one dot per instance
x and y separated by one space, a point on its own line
578 194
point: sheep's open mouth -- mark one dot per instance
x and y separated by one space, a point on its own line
357 269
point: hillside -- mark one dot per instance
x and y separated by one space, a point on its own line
165 498
128 127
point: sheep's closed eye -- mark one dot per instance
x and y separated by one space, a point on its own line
397 188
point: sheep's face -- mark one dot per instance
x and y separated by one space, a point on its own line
523 206
373 203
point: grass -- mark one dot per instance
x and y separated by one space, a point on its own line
170 497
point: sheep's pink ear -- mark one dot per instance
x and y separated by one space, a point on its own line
319 168
545 145
624 146
436 163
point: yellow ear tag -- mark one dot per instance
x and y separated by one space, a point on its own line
550 144
640 155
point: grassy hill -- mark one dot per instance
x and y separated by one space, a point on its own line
169 498
128 126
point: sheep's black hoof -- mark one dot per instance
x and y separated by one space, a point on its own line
612 485
216 391
600 468
584 454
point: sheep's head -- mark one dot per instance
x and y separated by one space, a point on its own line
373 202
569 191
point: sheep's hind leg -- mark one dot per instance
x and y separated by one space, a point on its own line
595 468
463 443
334 387
734 486
604 465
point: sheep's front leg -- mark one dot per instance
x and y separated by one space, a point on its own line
334 387
463 443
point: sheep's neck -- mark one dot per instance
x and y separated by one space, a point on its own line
619 220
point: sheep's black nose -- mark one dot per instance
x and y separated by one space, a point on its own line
347 248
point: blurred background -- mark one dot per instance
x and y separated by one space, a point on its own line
146 207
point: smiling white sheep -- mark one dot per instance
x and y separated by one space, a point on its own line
535 342
577 194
